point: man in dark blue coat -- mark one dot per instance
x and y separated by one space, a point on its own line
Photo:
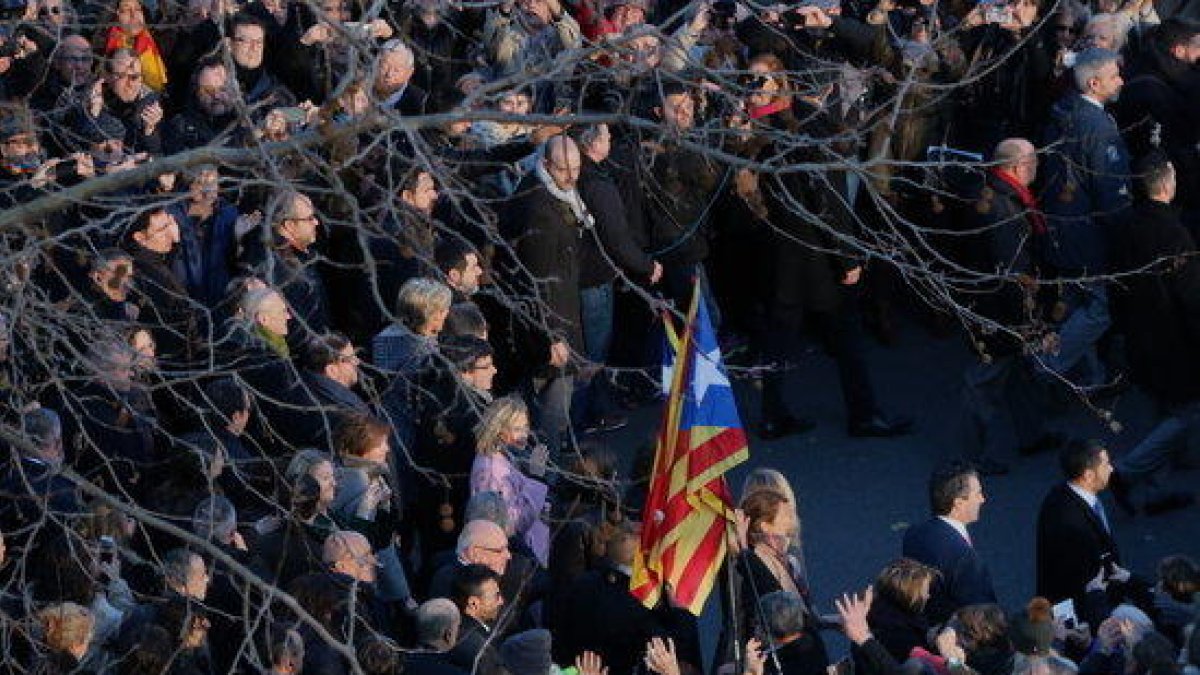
943 542
1086 190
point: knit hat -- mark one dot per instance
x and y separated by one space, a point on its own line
527 653
14 121
1032 630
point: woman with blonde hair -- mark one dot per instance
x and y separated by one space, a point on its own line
897 617
67 630
501 437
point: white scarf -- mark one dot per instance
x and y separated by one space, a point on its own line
569 197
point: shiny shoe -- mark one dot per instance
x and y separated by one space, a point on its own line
775 427
879 426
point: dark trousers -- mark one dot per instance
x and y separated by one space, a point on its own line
841 332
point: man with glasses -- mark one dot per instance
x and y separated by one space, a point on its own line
123 94
261 90
288 261
70 73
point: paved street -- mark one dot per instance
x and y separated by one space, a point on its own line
857 496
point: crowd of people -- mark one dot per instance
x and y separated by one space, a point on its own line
314 313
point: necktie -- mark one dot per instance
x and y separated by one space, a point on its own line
1098 507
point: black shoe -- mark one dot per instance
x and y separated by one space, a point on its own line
1122 493
606 424
775 427
1171 502
1047 441
879 426
986 466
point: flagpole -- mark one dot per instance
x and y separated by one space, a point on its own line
734 614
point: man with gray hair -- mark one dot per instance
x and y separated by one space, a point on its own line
393 74
438 622
1086 191
797 649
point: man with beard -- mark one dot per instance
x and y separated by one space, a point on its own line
260 89
209 115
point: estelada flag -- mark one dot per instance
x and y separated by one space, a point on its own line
688 508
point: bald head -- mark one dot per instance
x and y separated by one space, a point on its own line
560 156
1018 158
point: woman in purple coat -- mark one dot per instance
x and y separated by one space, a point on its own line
501 439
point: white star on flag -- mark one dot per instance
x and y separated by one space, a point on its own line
707 374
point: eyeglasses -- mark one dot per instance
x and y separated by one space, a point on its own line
52 11
128 77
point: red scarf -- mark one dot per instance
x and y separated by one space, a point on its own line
1037 220
770 109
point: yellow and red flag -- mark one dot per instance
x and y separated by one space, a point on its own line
688 507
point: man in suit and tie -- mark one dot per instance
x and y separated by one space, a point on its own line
942 542
1074 533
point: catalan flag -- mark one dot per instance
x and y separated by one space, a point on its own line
688 509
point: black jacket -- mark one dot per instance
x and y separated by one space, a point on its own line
1158 308
546 237
1071 543
477 650
1005 246
608 245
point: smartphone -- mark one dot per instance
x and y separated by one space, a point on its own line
108 550
1064 612
359 29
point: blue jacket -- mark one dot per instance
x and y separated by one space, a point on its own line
965 579
207 252
1086 173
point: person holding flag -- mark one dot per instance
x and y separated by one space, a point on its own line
689 511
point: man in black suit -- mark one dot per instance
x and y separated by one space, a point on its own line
942 542
476 592
438 623
393 89
1074 533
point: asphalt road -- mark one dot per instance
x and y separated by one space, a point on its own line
857 496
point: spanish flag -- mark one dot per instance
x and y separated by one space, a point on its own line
689 508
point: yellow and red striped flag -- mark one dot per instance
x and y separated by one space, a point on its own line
688 507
